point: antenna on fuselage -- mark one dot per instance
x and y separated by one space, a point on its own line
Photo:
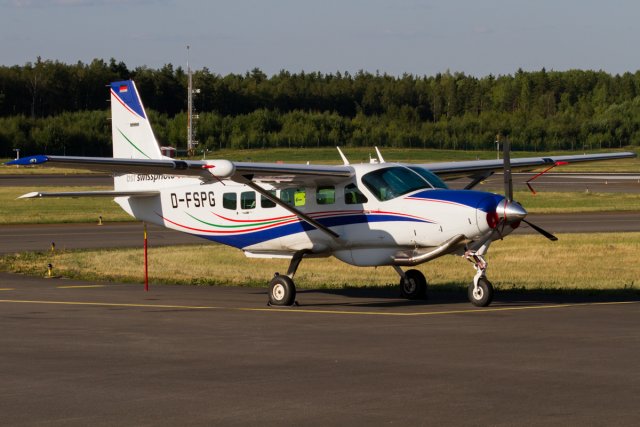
344 158
380 159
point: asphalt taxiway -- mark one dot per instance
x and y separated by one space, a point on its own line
91 353
84 352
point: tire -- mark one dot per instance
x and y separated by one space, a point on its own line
413 285
282 291
484 296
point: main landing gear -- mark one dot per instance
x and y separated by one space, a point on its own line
413 284
282 290
480 292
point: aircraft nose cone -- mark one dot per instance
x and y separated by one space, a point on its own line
511 211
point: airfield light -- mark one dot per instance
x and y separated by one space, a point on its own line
146 261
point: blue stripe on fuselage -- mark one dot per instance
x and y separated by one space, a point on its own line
474 199
241 240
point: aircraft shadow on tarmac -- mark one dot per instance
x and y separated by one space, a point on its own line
388 297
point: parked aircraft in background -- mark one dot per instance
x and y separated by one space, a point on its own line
369 215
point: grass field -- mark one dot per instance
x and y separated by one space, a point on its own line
576 261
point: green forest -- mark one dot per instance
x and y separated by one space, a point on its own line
55 108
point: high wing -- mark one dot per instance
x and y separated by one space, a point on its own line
484 168
281 173
207 170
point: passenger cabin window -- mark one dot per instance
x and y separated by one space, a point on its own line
294 196
353 196
392 182
266 203
326 195
247 200
230 201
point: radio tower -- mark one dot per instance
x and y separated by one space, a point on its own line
191 141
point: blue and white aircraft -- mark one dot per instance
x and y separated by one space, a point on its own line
373 214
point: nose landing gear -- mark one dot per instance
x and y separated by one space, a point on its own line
480 292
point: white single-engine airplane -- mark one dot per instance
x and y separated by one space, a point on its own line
376 214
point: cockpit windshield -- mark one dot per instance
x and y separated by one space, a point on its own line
431 177
392 182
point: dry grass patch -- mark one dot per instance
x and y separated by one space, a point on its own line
577 261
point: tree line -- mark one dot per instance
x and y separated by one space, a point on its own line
57 108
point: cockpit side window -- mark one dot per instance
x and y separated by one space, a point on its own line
392 182
353 196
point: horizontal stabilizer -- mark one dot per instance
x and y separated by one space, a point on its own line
36 194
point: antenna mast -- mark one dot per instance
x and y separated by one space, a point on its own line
191 141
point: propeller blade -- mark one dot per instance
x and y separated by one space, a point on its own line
508 183
541 231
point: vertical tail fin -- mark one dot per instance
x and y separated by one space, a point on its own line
131 131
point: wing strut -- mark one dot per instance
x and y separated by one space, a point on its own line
477 179
290 208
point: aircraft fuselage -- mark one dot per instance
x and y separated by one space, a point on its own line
371 226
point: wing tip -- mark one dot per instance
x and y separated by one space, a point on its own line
31 195
28 161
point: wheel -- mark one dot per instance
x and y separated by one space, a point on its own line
282 291
484 294
413 285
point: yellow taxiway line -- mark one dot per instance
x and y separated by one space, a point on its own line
311 311
79 286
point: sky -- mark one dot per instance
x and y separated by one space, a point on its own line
421 37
